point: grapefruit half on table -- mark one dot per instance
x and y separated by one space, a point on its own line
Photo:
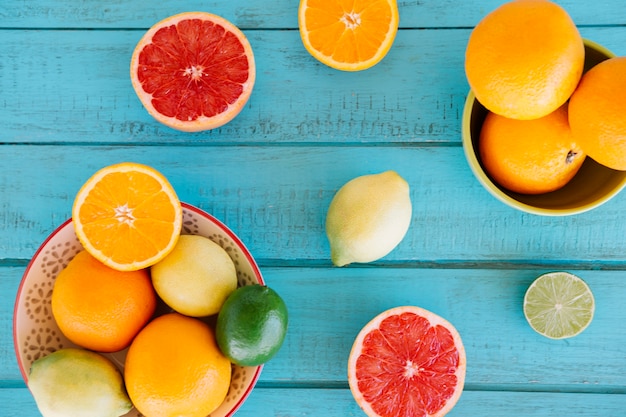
193 71
407 362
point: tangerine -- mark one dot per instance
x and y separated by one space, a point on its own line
596 113
530 156
524 59
174 368
98 307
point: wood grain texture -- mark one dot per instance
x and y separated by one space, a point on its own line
79 91
339 403
67 108
328 306
281 217
269 14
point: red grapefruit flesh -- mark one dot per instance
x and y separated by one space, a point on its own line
193 71
407 362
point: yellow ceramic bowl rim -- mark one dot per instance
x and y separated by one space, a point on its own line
495 190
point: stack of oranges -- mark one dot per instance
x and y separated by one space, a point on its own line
525 63
128 218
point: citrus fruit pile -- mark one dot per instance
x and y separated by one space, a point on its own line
128 218
525 63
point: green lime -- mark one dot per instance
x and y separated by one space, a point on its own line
252 324
78 382
559 305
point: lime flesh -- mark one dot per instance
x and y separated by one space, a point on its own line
559 305
252 325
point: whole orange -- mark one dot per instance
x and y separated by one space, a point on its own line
524 59
597 113
174 368
530 156
100 308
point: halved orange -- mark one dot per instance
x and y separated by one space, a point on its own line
127 216
348 35
193 71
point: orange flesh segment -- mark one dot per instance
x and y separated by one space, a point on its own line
407 367
132 217
193 68
348 31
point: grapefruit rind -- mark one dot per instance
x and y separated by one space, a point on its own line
202 122
434 321
93 246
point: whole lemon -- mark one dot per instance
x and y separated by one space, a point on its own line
368 217
196 277
78 382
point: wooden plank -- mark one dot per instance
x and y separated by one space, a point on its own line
275 199
328 307
74 87
272 14
264 402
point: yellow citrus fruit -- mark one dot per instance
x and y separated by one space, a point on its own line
78 382
530 156
196 277
368 217
596 113
524 59
100 308
349 36
127 216
193 71
174 368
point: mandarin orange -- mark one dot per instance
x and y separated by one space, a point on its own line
524 59
530 156
100 308
596 113
175 368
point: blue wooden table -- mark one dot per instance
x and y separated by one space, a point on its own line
67 108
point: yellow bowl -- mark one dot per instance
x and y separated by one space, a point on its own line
35 333
593 185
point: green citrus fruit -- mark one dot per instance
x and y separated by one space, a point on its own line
196 277
78 382
559 305
252 325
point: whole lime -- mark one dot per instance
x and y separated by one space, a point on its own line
252 324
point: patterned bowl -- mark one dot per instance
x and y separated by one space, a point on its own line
592 186
35 333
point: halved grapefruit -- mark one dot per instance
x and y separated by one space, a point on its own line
193 71
407 362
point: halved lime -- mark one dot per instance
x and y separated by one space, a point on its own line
559 305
